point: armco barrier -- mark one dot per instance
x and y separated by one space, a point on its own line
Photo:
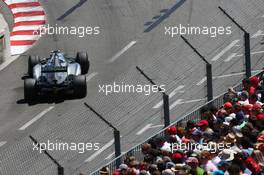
194 115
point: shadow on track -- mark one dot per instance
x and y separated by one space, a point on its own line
48 99
166 15
68 12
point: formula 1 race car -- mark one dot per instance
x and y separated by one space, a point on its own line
55 74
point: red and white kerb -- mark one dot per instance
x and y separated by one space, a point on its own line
29 17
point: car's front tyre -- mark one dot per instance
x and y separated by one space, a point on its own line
30 91
79 86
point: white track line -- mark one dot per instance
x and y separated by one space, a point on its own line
236 74
185 102
252 53
145 128
177 102
90 76
174 92
2 143
148 126
93 156
158 105
112 155
201 81
225 50
36 118
230 57
258 52
157 126
122 51
240 55
258 33
225 76
230 75
192 101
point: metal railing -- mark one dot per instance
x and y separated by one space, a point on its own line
194 115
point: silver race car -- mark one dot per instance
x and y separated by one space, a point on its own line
55 74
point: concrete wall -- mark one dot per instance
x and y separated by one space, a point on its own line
5 41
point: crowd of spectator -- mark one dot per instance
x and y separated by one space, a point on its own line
228 140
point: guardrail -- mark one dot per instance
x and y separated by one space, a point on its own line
194 115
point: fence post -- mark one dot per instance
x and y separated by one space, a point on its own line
117 147
166 103
186 117
246 43
60 168
209 77
247 54
116 134
209 74
166 108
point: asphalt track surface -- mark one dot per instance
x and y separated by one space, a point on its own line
132 34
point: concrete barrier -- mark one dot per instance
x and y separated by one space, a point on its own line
4 40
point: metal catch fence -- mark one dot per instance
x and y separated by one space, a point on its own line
194 115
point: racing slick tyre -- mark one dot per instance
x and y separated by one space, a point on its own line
30 91
79 86
82 59
32 61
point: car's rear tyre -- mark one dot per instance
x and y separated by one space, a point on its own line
82 59
79 86
32 61
30 91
